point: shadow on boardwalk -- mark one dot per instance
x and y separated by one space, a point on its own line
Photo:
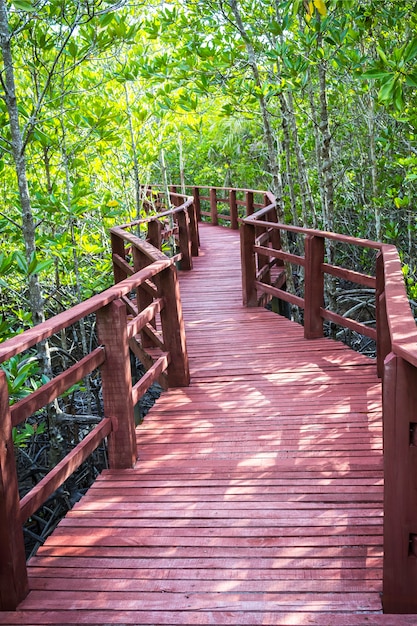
257 496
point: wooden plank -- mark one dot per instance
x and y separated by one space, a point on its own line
258 490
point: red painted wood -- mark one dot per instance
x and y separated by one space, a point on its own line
54 479
289 616
233 210
197 203
118 252
51 390
213 207
184 236
400 506
400 320
13 575
34 335
117 384
247 234
173 329
249 198
257 497
313 287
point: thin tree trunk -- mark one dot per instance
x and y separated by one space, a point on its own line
327 178
274 167
316 132
286 145
307 201
270 140
134 153
28 223
74 246
370 118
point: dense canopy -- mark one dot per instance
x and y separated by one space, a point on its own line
313 100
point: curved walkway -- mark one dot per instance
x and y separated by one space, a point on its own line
257 496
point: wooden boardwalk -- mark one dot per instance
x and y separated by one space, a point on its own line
257 496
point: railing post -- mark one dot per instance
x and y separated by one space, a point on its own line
173 330
197 203
175 200
213 207
154 233
313 286
233 209
184 237
117 385
13 573
195 240
249 203
400 486
247 242
143 298
117 247
383 343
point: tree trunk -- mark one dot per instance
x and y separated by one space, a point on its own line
72 223
327 177
307 201
136 180
286 145
28 223
270 141
274 167
370 118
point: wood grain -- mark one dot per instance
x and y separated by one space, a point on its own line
257 496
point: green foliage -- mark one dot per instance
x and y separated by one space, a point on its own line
102 88
23 435
23 376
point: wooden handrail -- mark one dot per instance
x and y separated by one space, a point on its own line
42 331
115 333
140 266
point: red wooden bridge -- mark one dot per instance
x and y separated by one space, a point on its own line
253 491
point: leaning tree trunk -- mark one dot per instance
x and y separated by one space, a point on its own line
370 118
28 223
269 138
326 173
135 155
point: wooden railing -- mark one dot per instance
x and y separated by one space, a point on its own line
157 319
152 273
396 341
264 273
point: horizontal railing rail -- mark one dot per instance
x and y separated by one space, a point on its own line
117 333
265 269
150 325
254 231
177 223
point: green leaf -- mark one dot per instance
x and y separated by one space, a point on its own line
411 79
382 54
386 92
24 5
41 266
411 51
375 73
20 261
32 264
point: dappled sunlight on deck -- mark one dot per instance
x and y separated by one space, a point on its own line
257 495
